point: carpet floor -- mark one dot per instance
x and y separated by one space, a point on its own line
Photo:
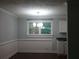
38 56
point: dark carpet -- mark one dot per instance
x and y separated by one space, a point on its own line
38 56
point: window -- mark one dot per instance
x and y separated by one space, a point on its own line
39 28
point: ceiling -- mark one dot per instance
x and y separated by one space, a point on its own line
57 7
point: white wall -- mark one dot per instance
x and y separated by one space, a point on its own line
22 27
62 47
62 25
40 45
8 26
8 34
8 49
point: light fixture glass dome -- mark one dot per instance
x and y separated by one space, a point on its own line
38 12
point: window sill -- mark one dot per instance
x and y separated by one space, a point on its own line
39 36
34 39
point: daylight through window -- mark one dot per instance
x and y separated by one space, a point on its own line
39 28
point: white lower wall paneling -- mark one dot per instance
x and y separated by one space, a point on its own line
37 46
62 47
8 49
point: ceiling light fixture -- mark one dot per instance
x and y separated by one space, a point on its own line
38 12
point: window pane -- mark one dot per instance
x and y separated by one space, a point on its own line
39 27
46 29
33 29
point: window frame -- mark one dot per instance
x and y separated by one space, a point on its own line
39 21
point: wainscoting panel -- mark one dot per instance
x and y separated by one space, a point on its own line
8 49
62 47
37 46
